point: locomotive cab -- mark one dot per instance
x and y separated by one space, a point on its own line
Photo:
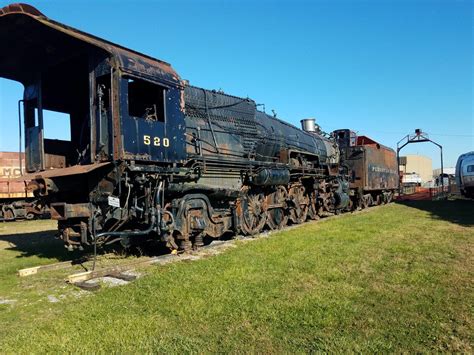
125 112
118 102
54 70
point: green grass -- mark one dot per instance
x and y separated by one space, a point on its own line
397 278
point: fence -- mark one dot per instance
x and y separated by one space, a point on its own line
427 193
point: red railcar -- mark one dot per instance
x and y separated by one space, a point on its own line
15 201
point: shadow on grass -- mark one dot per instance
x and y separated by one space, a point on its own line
455 211
42 244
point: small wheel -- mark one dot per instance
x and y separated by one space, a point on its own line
367 201
30 216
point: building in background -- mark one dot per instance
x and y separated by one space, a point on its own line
411 179
418 164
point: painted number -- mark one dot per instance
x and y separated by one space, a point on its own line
157 141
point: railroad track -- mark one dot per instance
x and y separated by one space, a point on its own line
61 265
89 279
121 272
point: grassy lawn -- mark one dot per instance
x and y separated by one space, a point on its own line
397 278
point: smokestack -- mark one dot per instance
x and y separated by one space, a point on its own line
308 125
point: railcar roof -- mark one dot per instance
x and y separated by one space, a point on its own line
128 60
365 140
468 154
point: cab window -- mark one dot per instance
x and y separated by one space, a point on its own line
146 100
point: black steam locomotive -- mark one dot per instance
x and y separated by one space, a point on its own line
153 158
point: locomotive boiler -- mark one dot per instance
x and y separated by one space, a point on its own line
152 157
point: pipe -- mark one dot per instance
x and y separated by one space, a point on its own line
442 172
155 221
150 228
131 233
19 131
210 123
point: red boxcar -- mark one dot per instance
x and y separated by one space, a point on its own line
15 201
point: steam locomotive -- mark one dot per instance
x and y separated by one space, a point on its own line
154 158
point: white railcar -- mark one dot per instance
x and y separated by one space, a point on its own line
465 174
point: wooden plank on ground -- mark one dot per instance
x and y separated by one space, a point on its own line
61 265
110 271
49 267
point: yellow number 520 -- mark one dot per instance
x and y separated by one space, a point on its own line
157 141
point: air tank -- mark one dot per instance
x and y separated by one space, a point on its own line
267 177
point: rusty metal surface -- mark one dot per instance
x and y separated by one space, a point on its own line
54 161
374 167
9 171
382 172
126 59
72 170
64 211
20 8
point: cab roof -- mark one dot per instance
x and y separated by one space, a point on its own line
32 41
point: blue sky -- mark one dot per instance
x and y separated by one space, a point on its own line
382 68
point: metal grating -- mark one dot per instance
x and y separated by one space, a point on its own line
226 112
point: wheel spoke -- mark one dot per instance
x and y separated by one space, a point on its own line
299 210
253 217
277 217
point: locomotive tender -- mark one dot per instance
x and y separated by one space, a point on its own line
153 158
373 167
